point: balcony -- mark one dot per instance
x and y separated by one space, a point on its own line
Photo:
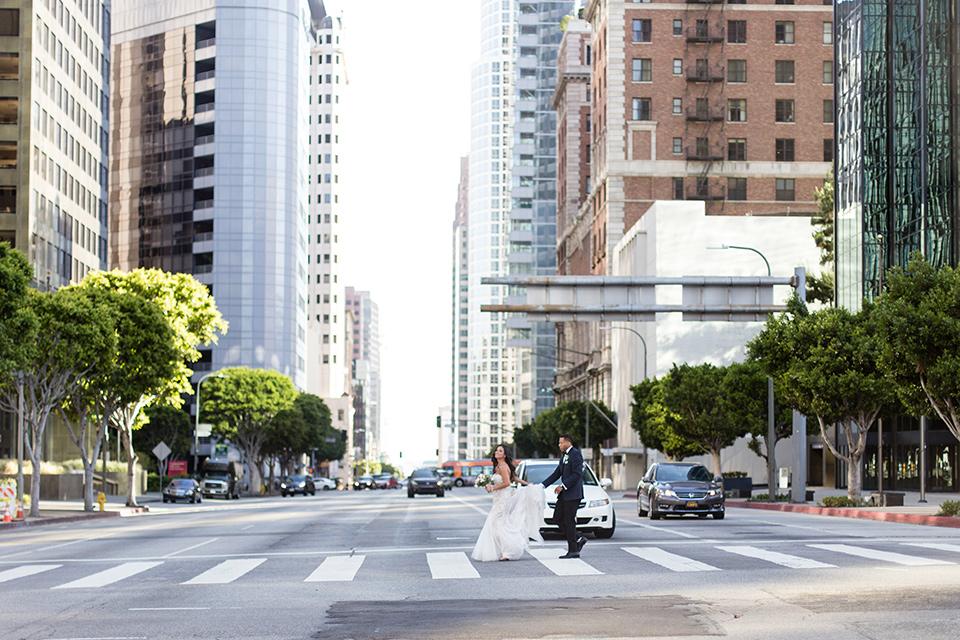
706 192
706 114
705 153
705 34
706 74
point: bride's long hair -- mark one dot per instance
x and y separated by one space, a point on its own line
506 458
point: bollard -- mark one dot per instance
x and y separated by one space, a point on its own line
102 499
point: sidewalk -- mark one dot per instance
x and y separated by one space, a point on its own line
65 511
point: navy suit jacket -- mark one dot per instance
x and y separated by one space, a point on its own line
570 473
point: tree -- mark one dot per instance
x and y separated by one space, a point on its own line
820 287
194 319
242 405
570 417
652 421
919 322
827 365
694 394
323 439
745 392
166 424
71 337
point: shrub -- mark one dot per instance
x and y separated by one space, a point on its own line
839 502
734 474
763 497
949 508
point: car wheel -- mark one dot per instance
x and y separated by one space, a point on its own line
326 488
410 494
653 513
193 499
440 493
641 512
199 499
459 482
603 534
165 499
314 492
718 515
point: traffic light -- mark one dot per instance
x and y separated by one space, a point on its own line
438 422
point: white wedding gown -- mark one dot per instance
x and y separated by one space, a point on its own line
514 519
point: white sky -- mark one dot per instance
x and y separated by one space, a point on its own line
406 127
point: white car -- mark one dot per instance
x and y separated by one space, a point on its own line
324 484
595 514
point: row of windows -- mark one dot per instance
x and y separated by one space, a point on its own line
784 31
737 149
785 189
65 60
64 182
784 70
325 98
784 109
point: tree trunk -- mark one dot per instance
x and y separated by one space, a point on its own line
127 440
35 481
715 455
854 480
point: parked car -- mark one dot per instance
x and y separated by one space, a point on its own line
363 482
300 483
325 484
447 477
595 514
182 489
384 481
679 488
425 481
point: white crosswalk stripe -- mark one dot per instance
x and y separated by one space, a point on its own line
874 554
450 565
571 567
26 570
794 562
668 560
939 546
227 571
337 569
109 576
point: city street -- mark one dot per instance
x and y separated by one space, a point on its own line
377 565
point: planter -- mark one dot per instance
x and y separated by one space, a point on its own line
738 487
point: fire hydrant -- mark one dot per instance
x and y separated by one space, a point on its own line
102 500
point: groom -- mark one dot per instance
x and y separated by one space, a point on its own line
569 495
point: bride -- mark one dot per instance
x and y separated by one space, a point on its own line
515 517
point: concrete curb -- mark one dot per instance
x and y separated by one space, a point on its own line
35 522
884 516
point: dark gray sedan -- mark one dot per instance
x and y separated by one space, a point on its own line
679 488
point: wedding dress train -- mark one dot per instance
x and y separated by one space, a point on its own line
514 519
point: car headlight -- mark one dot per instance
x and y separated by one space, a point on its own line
598 503
713 492
302 484
283 485
666 493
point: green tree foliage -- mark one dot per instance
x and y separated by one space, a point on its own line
571 417
745 390
652 421
323 438
15 275
820 287
170 425
242 407
827 365
302 429
919 322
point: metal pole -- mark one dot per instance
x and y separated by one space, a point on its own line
798 488
196 431
20 436
771 446
880 458
923 459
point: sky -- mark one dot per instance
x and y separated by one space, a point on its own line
406 126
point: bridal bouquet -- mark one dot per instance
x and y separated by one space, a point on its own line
483 480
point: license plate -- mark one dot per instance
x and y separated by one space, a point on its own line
692 505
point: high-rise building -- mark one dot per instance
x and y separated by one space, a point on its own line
54 124
533 214
365 362
492 375
460 367
210 125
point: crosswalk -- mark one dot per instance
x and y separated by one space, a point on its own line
457 565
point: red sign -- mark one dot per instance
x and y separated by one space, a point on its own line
177 468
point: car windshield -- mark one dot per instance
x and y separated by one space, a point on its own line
181 484
217 476
681 474
425 473
537 473
382 476
295 478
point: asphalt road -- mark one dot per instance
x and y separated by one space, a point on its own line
376 565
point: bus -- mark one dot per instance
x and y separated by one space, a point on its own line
465 472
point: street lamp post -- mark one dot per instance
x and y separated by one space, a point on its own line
771 431
642 341
196 424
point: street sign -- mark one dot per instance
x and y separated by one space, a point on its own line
177 467
161 451
204 429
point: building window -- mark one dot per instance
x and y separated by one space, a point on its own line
828 72
677 106
678 188
783 32
828 111
785 190
677 67
677 27
736 110
827 33
737 149
736 188
641 109
10 22
784 2
736 71
678 145
737 31
828 150
641 31
784 149
642 69
784 111
784 71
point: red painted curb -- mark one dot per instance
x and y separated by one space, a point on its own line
884 516
34 522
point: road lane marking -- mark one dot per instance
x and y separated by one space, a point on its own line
682 534
451 565
668 560
873 554
940 546
470 504
337 569
27 570
794 562
246 527
169 609
109 576
227 571
169 555
570 567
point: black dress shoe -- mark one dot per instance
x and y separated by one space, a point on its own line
569 554
580 542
